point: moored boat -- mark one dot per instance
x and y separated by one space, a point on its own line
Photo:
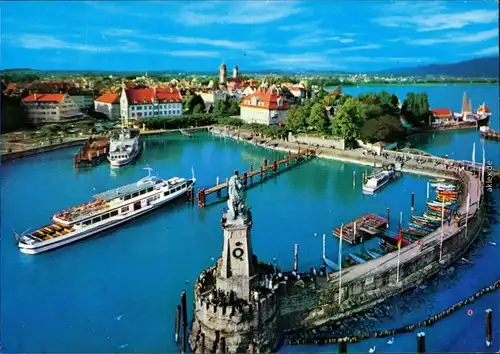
107 210
377 181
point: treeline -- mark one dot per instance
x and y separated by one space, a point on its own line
14 115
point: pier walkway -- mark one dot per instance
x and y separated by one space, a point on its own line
389 261
411 162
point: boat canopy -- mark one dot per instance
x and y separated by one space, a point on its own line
144 183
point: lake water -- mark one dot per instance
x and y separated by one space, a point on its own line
117 291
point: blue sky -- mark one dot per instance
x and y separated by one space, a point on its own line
288 35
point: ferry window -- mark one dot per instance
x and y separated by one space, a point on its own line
94 220
166 193
135 194
105 216
150 189
183 186
142 192
150 200
125 209
127 197
87 222
114 213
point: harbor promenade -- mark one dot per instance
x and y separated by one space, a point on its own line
420 164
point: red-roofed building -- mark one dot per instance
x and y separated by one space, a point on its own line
264 107
51 107
150 102
108 104
483 110
442 115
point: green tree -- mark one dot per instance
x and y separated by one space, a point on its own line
322 93
199 108
348 121
193 101
329 101
318 119
296 119
14 114
385 129
234 107
338 90
221 109
415 109
388 104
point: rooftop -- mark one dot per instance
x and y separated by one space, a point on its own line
45 97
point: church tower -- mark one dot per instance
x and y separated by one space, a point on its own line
223 74
236 72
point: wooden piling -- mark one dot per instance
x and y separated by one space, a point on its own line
184 321
343 348
387 225
412 203
296 258
489 328
421 343
223 345
177 323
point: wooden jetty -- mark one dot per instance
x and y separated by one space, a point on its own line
92 152
363 227
490 135
262 173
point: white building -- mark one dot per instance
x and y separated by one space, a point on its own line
150 102
83 101
212 96
108 104
51 108
264 107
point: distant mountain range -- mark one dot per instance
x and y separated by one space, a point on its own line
486 67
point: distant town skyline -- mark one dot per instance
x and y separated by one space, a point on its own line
255 35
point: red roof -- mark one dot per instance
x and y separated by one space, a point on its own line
45 97
442 113
109 98
163 95
266 100
484 109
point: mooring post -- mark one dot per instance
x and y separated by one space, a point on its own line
428 190
227 186
343 348
244 179
388 214
184 321
353 178
421 343
296 258
202 346
177 323
412 203
362 178
489 328
251 176
217 183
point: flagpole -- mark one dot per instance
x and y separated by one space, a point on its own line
340 264
399 243
474 154
442 232
467 212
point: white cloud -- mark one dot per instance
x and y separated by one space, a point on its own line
451 38
221 43
236 12
301 61
317 37
399 60
488 51
436 21
355 48
34 41
192 53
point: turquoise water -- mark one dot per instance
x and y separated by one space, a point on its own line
73 299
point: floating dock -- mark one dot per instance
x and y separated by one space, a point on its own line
490 135
92 152
289 161
363 227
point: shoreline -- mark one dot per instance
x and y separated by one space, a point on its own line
417 84
347 156
9 156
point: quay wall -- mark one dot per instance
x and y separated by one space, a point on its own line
20 154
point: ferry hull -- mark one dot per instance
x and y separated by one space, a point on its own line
83 233
370 191
123 162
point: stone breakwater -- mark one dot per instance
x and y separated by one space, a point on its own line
304 305
323 334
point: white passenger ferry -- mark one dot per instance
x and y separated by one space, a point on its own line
108 209
377 181
124 146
